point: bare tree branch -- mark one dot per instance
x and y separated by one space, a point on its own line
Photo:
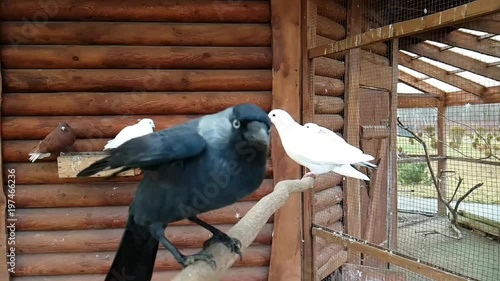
245 230
453 210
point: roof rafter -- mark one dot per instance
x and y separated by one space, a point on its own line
419 84
441 74
452 58
464 40
462 97
488 24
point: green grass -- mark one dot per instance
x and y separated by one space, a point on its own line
472 173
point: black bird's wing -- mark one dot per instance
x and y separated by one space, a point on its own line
151 150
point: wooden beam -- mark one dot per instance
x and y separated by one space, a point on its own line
135 80
391 257
441 74
419 84
465 40
4 247
308 34
417 101
448 17
452 58
392 185
331 10
489 24
441 150
140 10
462 97
351 186
145 57
286 263
136 33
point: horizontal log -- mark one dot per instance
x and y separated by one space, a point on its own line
152 57
97 194
329 28
462 98
331 10
46 173
114 80
328 105
326 253
141 34
374 58
110 217
324 66
322 243
36 128
99 262
333 122
100 240
143 10
325 181
332 264
15 151
326 198
121 103
253 273
325 86
377 48
328 216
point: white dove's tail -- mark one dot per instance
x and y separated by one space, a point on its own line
368 165
349 171
111 144
35 156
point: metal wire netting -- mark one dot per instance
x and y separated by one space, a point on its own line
447 81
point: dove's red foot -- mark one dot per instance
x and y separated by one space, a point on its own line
310 174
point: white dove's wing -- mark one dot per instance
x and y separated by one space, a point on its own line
124 135
325 150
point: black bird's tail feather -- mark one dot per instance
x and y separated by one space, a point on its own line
94 168
135 258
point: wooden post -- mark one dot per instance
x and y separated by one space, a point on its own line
441 149
286 261
4 273
392 190
352 191
309 269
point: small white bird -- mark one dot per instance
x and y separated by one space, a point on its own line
336 138
143 127
316 149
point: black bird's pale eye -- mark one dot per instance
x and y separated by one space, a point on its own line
236 124
63 128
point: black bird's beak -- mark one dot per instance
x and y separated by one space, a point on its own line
257 132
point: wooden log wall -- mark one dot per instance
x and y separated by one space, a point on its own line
101 65
329 88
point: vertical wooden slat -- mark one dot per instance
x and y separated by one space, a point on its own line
441 149
286 261
351 127
4 273
308 34
392 196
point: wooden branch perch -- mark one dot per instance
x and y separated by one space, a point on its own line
245 230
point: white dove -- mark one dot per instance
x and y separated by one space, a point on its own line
318 152
337 139
143 127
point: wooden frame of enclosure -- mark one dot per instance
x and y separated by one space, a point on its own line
293 249
477 14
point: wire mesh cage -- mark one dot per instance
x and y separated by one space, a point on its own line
431 102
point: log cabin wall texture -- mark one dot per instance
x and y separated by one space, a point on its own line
330 20
101 65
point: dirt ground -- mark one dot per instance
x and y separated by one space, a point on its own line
474 255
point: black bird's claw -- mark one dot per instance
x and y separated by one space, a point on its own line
206 257
233 244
